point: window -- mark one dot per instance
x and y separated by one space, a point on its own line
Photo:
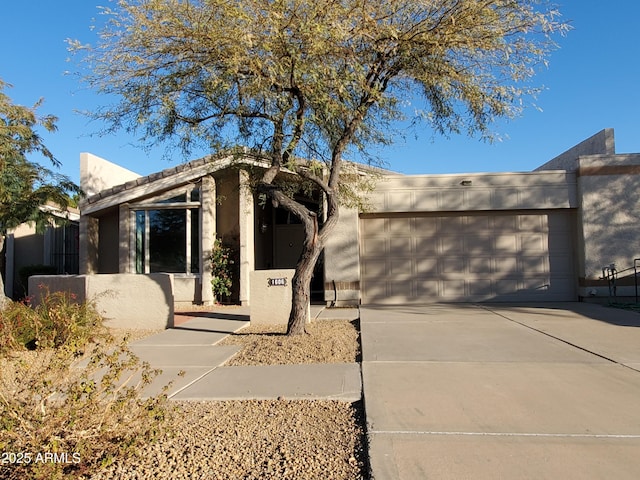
64 248
167 233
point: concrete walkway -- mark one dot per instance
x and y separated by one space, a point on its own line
190 347
502 392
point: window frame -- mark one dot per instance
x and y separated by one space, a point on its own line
160 203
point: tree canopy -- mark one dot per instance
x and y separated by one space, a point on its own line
26 186
314 80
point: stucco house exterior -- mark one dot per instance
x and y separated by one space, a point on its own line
26 251
543 235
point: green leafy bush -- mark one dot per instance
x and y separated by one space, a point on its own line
222 262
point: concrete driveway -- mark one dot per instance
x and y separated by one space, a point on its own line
502 392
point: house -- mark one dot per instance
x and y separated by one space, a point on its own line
543 235
28 252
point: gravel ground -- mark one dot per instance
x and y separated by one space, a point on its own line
327 341
279 439
249 440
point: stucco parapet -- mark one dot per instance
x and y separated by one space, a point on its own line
602 143
510 179
461 192
606 160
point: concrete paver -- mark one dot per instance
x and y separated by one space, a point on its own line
340 381
463 391
180 357
191 360
565 399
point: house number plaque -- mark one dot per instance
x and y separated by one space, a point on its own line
277 282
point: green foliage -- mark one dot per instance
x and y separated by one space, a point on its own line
311 78
26 186
78 396
222 267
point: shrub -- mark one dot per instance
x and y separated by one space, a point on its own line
86 415
57 320
75 403
222 262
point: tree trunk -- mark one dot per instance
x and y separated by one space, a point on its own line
311 250
301 288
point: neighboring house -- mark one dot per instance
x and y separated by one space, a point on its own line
536 236
27 252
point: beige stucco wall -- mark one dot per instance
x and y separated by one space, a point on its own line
342 261
97 174
118 297
473 192
270 304
609 218
602 143
208 216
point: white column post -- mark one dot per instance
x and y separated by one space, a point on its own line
208 234
247 250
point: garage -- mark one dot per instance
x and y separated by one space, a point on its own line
510 256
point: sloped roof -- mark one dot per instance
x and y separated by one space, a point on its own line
177 176
157 182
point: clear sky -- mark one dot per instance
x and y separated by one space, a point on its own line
592 82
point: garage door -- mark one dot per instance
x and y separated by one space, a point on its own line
508 257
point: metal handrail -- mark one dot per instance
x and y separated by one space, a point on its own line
610 274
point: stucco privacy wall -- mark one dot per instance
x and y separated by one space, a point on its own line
270 293
97 174
602 143
473 192
608 213
125 301
609 192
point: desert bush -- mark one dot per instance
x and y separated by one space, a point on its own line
57 320
75 403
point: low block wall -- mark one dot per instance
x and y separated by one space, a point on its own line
270 294
141 302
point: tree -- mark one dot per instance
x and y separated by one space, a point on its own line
319 80
25 186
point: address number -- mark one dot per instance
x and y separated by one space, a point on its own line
277 282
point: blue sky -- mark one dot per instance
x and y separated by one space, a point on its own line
593 82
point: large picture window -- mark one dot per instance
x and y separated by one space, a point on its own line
167 234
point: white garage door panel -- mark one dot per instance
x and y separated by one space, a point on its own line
483 257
